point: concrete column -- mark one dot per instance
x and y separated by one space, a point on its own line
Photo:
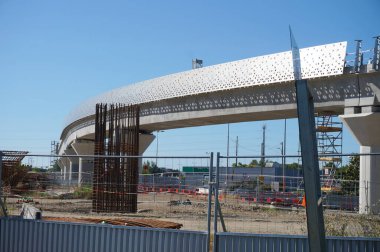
64 172
144 141
369 193
84 147
63 163
70 171
73 161
80 172
365 127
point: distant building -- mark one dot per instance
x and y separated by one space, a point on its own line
272 172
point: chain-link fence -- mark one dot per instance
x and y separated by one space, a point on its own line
65 190
254 196
266 197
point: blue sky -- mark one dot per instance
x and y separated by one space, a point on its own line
55 54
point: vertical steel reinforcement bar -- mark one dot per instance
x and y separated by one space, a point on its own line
116 179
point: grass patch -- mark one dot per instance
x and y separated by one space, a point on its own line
84 192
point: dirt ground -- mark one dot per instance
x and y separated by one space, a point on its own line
191 211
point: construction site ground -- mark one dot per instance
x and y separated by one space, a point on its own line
191 212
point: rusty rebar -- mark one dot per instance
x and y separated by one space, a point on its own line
115 180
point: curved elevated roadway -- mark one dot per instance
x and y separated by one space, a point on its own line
253 89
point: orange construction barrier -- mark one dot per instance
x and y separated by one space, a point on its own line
303 201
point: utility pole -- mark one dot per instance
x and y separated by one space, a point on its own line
236 154
158 131
283 167
236 150
263 151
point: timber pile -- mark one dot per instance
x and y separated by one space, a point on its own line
151 223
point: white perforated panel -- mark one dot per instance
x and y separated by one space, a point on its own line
318 61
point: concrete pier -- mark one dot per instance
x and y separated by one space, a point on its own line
365 127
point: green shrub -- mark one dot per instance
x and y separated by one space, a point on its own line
84 192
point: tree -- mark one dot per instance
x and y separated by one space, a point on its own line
242 165
262 163
253 163
55 167
353 169
350 175
150 167
13 175
293 166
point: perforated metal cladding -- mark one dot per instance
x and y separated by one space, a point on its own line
318 61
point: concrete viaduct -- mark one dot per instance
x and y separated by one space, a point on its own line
253 89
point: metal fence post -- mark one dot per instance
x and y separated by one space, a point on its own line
80 171
314 209
1 186
309 153
1 168
210 186
257 189
216 203
154 187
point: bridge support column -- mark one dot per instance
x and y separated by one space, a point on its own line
73 163
63 163
365 128
144 141
84 147
60 165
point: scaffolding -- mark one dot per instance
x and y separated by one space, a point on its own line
53 151
329 138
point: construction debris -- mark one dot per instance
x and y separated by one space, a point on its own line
178 202
25 200
151 223
31 212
